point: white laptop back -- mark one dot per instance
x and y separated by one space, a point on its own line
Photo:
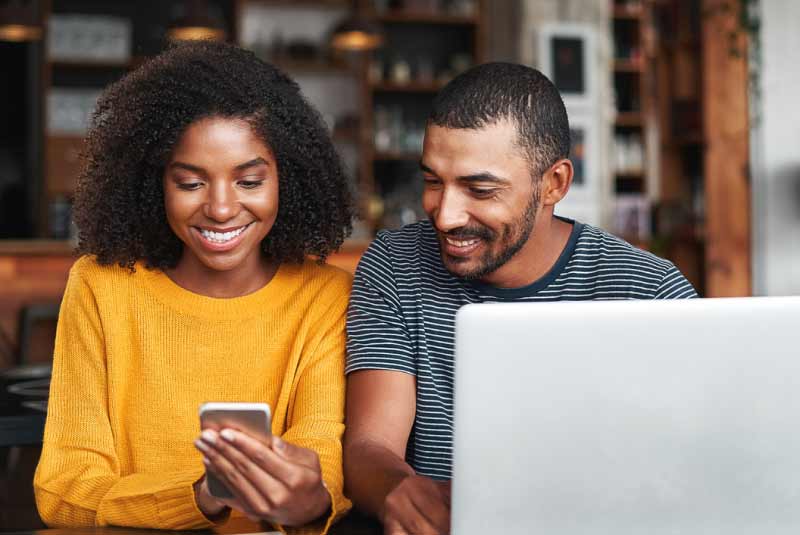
637 417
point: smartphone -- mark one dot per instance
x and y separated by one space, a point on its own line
251 418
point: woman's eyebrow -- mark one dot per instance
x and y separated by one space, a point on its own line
252 163
255 162
187 166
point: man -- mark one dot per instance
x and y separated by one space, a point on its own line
495 164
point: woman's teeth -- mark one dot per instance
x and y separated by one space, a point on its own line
221 237
461 243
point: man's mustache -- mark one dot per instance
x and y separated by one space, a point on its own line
470 232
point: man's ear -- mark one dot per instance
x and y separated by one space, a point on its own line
556 182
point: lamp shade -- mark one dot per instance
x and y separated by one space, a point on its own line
196 24
18 23
356 34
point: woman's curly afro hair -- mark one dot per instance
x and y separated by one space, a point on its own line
119 200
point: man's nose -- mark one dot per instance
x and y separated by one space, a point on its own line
452 211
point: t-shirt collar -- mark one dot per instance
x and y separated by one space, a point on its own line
542 282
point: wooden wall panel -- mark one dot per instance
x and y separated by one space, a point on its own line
25 280
728 266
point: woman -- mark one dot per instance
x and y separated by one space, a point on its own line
209 180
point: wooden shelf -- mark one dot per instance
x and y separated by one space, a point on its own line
629 175
313 66
628 118
36 247
625 184
628 12
424 17
87 64
305 3
411 87
691 138
396 156
628 65
345 136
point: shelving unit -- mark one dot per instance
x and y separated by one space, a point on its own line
631 78
426 42
679 69
435 44
627 65
678 60
422 17
62 148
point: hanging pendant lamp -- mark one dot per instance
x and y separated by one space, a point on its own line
19 23
196 24
356 34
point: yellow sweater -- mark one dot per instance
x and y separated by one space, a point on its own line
135 357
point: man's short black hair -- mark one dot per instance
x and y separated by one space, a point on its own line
119 199
494 92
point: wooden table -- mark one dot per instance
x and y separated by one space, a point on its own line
352 524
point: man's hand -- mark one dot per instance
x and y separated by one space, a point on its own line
417 506
278 482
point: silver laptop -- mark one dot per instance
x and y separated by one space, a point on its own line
637 417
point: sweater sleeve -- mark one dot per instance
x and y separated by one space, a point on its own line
316 418
78 481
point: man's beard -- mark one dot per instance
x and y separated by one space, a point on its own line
513 237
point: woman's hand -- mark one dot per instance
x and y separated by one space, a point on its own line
210 506
278 482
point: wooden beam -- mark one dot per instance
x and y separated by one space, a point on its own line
727 185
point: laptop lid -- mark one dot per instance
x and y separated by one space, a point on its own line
656 417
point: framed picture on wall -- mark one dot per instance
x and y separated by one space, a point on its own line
583 199
566 56
582 153
577 153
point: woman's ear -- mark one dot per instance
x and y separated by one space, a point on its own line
556 182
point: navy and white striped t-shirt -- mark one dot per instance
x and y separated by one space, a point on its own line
404 302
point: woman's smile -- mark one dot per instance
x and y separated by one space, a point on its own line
218 239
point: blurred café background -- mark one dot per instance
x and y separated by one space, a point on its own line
684 118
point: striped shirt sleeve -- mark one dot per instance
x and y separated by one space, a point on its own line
377 335
674 286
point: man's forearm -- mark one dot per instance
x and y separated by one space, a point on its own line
372 471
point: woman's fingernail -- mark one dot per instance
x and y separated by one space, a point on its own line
206 461
278 443
200 445
209 436
228 435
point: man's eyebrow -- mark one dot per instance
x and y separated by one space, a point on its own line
483 177
425 169
252 163
476 177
